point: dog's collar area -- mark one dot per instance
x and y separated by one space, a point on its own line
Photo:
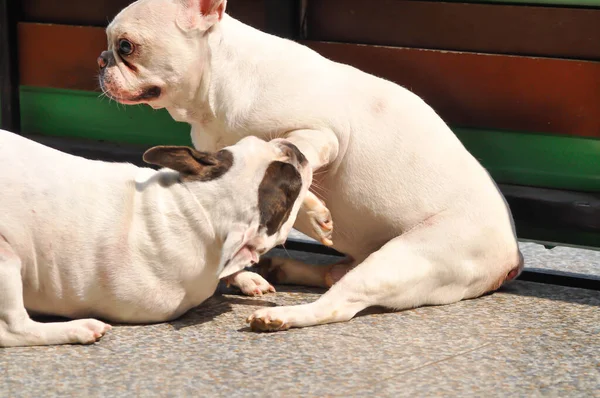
201 208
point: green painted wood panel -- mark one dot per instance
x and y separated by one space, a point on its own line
511 157
536 159
70 113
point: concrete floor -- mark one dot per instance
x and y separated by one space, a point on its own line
526 340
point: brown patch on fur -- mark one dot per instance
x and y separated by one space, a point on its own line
277 193
294 152
192 165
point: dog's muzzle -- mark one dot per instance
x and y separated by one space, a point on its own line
103 59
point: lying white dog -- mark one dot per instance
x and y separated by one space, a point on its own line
82 238
419 218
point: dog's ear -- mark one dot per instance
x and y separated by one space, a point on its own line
238 252
200 14
190 163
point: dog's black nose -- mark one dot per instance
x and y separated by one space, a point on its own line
102 60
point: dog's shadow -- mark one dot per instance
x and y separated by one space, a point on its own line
297 289
222 302
219 304
225 298
212 308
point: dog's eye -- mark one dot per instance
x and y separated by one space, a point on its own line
125 47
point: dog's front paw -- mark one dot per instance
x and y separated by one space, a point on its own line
86 331
250 283
320 220
268 320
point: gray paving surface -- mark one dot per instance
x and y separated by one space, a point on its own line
564 259
526 340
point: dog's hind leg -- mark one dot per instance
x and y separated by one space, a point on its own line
17 329
407 272
287 271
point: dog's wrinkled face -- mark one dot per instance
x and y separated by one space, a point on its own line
261 186
156 47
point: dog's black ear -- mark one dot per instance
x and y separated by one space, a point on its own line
190 163
277 194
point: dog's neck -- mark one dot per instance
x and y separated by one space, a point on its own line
166 206
224 66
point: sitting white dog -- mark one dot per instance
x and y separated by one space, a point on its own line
82 238
419 218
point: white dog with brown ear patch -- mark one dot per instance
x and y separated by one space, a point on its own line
419 218
82 238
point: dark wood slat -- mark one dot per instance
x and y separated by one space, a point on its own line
251 12
9 78
490 28
72 12
44 62
99 13
488 91
282 18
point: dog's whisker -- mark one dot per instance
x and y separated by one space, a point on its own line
320 187
317 190
286 251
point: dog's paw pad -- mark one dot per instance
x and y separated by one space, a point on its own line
266 325
87 331
251 284
322 223
325 223
263 322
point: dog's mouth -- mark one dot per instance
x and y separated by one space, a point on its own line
146 95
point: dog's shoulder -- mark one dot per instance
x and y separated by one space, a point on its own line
147 177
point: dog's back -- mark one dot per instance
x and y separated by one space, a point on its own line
44 187
52 207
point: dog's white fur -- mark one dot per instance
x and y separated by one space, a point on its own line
420 219
82 238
